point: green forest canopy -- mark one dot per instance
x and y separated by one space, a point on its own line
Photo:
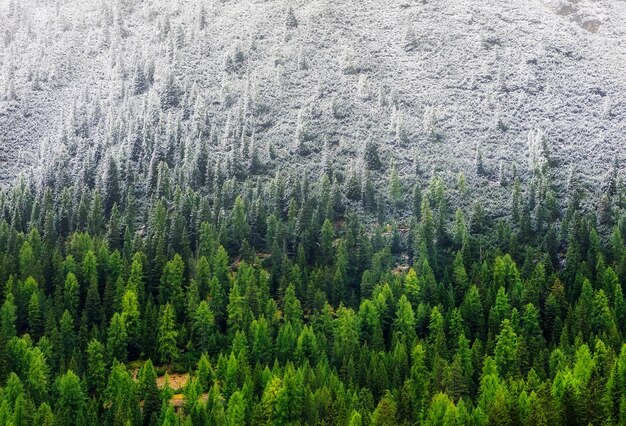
279 302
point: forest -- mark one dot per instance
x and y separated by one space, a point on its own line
290 301
315 212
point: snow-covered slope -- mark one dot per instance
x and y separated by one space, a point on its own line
438 80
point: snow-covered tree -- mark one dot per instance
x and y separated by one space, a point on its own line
538 152
290 18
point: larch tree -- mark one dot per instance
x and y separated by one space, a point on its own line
167 334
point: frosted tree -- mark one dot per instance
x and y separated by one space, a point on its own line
607 107
234 59
202 20
9 83
395 188
353 184
327 166
363 90
429 123
303 63
499 121
479 166
348 62
371 156
339 107
290 18
410 39
125 7
610 182
139 83
400 128
417 168
303 133
538 153
149 70
501 174
179 37
170 92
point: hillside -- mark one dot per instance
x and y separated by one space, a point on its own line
356 213
422 79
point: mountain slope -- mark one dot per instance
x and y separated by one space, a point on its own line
437 81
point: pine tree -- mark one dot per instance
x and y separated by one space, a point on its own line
410 39
71 404
204 328
67 337
96 368
327 237
395 188
353 185
167 334
132 321
238 310
171 288
121 397
371 156
239 227
404 324
112 191
96 216
385 413
71 294
117 338
38 376
148 392
114 229
170 92
92 310
506 352
236 412
290 19
35 319
27 261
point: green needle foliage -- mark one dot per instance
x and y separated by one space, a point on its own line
288 302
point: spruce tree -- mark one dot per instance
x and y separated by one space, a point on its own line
371 155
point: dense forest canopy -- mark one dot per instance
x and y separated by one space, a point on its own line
212 242
299 302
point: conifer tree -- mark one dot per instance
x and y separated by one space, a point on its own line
71 404
171 288
148 392
371 155
112 190
117 338
395 188
290 20
167 334
96 368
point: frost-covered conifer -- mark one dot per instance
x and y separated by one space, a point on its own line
429 122
410 39
363 90
371 155
538 153
290 18
170 92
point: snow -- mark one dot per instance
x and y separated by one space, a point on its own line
484 73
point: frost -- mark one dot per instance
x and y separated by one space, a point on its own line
81 81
